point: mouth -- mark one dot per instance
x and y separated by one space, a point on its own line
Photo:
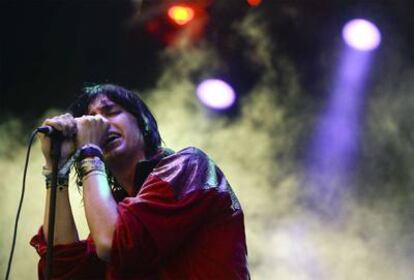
111 138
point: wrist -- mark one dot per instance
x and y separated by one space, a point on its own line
62 183
62 179
90 151
48 163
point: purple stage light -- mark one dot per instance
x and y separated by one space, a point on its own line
216 94
335 145
361 34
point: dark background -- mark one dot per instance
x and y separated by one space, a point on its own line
49 49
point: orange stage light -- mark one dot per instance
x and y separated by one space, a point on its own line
181 14
254 2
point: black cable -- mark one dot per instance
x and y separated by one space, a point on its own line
20 203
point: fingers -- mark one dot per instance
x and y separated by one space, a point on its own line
88 129
65 123
91 129
97 122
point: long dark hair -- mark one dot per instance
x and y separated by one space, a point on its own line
128 100
132 103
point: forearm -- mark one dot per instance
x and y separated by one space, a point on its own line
65 231
101 212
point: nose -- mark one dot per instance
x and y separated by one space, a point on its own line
102 118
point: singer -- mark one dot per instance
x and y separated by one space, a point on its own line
152 213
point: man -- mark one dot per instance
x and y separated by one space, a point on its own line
152 213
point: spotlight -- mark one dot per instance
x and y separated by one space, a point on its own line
216 94
361 34
254 3
181 14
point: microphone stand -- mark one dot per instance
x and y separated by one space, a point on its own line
56 143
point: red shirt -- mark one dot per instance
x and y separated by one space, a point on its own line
184 223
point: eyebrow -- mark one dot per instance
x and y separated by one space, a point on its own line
104 108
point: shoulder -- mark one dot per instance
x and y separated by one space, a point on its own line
191 170
188 159
188 170
187 154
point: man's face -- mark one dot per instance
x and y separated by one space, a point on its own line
125 141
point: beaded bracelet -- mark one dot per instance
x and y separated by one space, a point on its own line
88 165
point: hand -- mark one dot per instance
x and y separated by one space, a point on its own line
66 124
91 130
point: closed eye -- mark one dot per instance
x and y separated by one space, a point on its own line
113 113
110 110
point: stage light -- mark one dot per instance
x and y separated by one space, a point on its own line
335 146
361 34
180 14
254 3
216 94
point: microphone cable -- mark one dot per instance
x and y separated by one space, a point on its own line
32 136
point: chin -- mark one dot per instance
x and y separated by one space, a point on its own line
112 154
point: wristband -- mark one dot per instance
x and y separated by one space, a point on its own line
90 165
62 178
62 182
90 151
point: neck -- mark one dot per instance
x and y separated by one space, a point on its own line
124 172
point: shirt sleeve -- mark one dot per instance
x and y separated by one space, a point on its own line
182 194
76 260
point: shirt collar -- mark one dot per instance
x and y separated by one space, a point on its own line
145 167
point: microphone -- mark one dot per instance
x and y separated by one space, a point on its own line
49 131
